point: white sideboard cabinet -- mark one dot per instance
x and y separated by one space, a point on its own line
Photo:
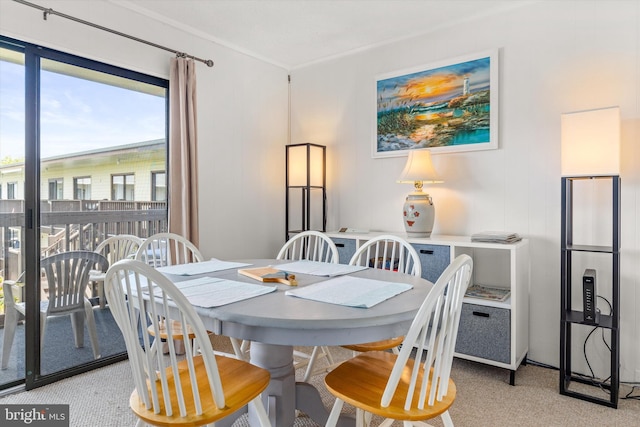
490 332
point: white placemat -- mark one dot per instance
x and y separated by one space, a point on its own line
350 291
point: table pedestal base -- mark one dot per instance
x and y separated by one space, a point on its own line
283 395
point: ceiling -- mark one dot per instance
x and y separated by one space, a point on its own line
294 33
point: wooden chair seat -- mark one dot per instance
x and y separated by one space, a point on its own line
241 381
376 346
176 331
361 381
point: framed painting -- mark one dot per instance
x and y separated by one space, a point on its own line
444 107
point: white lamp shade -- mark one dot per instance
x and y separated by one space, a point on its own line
419 168
297 165
591 142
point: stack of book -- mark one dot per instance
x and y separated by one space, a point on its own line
486 292
496 237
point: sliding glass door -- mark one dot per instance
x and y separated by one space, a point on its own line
94 140
12 218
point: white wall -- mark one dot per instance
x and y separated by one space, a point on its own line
242 122
555 57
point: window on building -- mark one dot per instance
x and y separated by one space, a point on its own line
12 190
82 188
158 186
55 189
122 187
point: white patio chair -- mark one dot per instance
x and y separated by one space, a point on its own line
67 276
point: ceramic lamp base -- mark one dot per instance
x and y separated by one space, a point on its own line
418 215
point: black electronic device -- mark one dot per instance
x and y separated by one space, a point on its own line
589 297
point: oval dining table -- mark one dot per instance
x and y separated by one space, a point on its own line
276 322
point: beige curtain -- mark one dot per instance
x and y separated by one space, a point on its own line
183 150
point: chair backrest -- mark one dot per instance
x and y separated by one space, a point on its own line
163 249
432 335
121 246
140 295
388 252
311 246
67 277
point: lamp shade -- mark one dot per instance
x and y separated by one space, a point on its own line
591 142
419 168
306 164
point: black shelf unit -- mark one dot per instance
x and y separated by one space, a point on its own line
572 318
305 189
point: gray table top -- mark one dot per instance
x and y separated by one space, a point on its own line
276 318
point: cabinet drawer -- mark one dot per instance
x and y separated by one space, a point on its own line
434 260
346 249
485 332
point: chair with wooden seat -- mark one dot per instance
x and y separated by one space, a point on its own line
401 386
67 278
386 252
197 388
115 248
313 246
165 249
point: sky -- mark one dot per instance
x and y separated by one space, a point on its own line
76 114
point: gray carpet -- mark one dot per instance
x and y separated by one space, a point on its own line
485 398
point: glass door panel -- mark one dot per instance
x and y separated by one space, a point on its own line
12 218
101 137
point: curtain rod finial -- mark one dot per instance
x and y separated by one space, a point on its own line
209 63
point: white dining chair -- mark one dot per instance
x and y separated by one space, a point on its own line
312 246
414 385
165 249
194 389
386 252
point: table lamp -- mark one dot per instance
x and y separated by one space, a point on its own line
418 213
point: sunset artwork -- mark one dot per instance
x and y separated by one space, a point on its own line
445 108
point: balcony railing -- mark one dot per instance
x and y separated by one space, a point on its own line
67 225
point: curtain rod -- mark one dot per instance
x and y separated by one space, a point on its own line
49 11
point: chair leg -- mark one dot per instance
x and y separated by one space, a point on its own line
10 324
311 364
311 371
77 324
446 419
239 348
361 420
43 327
335 413
101 297
261 412
91 326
